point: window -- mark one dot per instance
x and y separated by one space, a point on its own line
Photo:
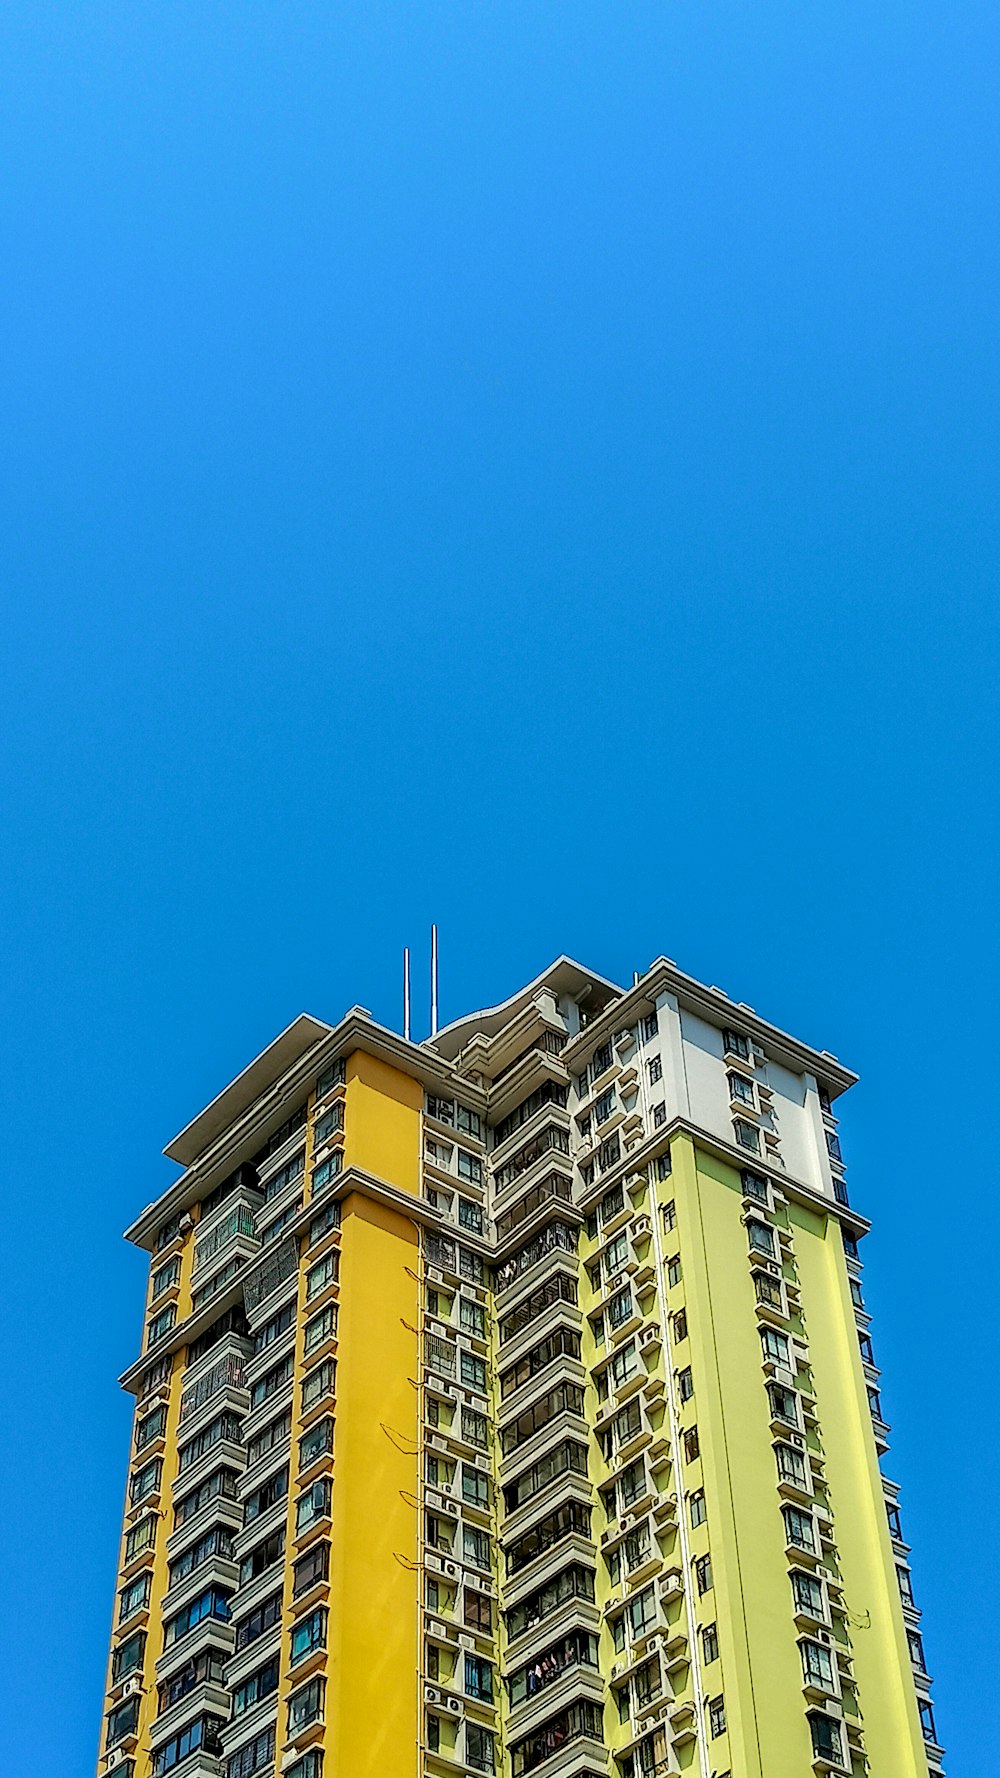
927 1720
691 1445
477 1611
309 1766
663 1166
295 1168
875 1403
323 1174
472 1318
314 1566
223 1427
308 1634
791 1465
568 1456
558 1289
570 1519
709 1644
807 1593
475 1429
161 1324
761 1237
857 1297
216 1542
313 1505
680 1326
470 1216
305 1706
478 1748
475 1546
735 1044
469 1167
833 1145
204 1733
322 1327
208 1665
475 1486
741 1089
659 1115
317 1442
318 1383
674 1270
685 1384
703 1574
747 1135
273 1434
220 1485
574 1582
262 1556
620 1308
905 1584
150 1429
604 1106
784 1404
326 1127
775 1346
817 1666
479 1678
895 1522
768 1291
472 1371
134 1597
799 1529
754 1186
253 1756
328 1218
650 1027
213 1603
272 1380
696 1507
325 1271
250 1628
716 1717
866 1348
669 1214
257 1687
654 1068
826 1739
122 1722
127 1657
165 1278
624 1364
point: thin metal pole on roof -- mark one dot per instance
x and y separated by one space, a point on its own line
406 993
434 981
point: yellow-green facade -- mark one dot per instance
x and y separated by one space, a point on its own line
507 1403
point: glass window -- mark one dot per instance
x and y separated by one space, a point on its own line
308 1634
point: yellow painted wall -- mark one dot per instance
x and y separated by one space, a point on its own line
371 1701
372 1720
893 1737
759 1670
381 1123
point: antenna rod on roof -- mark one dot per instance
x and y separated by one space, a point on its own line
434 981
406 992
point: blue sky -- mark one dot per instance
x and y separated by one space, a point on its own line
532 467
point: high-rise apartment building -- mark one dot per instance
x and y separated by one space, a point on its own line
507 1403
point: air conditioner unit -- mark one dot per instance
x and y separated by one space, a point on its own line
132 1685
185 1222
454 1705
451 1568
431 1694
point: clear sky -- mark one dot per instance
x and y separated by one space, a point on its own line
531 466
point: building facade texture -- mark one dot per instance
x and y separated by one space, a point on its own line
507 1404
